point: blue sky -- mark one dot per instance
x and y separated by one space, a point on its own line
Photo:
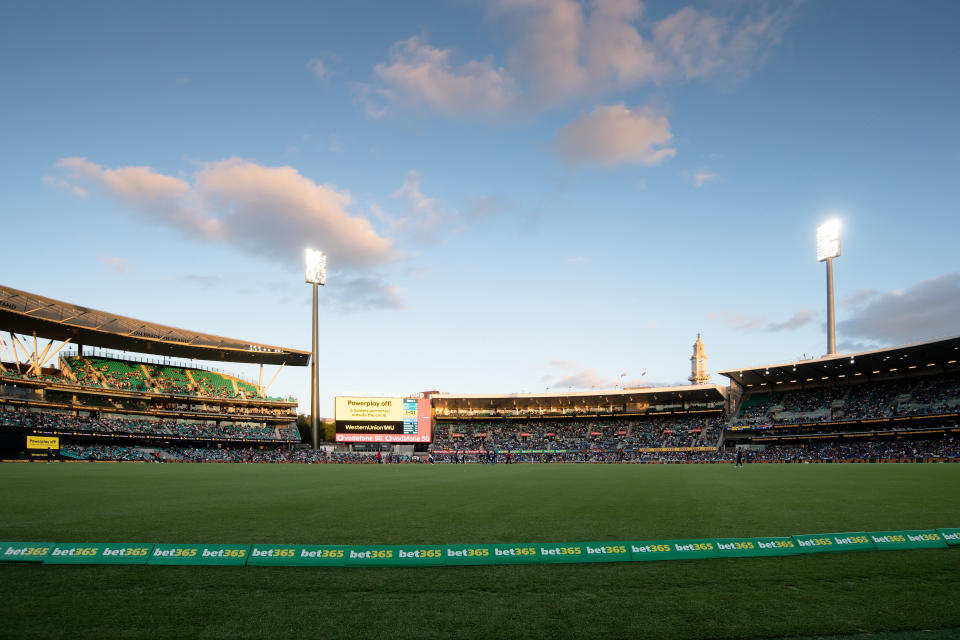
514 195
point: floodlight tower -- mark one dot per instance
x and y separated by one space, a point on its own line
316 274
828 248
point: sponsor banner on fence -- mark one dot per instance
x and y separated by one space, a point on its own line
829 542
393 555
88 553
521 553
922 539
672 549
24 551
753 547
950 536
584 552
297 555
200 554
464 554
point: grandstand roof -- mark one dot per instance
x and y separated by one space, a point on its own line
25 313
651 395
902 361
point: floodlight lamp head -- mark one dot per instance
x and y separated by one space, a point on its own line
316 271
828 240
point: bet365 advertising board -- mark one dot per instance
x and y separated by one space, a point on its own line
437 555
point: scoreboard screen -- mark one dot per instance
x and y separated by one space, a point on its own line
399 420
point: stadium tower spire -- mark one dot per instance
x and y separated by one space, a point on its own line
698 363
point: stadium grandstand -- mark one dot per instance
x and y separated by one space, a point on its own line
886 404
106 386
644 424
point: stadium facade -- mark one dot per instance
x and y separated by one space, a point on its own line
111 387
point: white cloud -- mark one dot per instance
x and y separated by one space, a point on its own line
422 213
928 309
419 75
119 265
318 67
702 177
267 211
60 183
693 44
561 51
614 134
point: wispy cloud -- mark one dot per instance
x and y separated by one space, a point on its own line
60 183
323 65
799 319
566 373
364 293
118 265
415 214
317 67
702 177
421 213
203 282
741 322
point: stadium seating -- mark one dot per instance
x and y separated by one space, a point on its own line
119 374
867 400
110 373
600 437
938 448
126 426
214 455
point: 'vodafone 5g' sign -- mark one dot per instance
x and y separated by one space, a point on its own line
382 419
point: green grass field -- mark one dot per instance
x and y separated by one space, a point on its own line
811 595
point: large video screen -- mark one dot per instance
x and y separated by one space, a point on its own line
399 420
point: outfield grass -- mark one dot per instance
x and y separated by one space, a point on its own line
726 598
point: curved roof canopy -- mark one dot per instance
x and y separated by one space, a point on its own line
25 313
651 395
901 361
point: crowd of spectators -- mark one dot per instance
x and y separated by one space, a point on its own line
212 406
863 450
600 437
231 454
107 452
885 399
130 426
938 449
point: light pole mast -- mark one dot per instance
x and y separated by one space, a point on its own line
316 274
828 248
